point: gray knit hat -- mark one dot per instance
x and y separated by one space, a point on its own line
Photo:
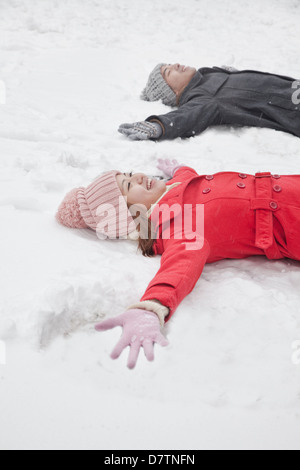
158 89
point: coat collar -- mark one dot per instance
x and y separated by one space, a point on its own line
196 80
169 188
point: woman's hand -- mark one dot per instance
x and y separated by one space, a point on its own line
168 167
141 328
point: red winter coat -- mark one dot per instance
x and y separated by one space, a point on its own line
244 216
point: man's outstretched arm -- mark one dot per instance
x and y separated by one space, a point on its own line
187 121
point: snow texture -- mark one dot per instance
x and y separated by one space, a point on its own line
70 73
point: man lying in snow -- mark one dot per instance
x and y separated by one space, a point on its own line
217 96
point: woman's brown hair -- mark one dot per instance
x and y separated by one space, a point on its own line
147 234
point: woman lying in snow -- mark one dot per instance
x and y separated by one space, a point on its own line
243 215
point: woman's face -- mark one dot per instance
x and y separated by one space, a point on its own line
140 189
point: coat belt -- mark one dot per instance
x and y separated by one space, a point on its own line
265 206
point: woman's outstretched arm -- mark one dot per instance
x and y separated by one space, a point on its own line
180 270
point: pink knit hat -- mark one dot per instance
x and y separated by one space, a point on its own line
101 207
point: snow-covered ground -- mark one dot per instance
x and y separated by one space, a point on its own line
73 71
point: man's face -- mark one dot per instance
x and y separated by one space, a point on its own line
178 76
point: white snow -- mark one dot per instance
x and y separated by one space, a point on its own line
73 71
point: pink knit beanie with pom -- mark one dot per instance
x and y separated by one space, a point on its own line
101 207
68 213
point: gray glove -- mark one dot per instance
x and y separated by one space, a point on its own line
141 130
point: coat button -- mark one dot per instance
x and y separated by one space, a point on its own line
277 188
276 177
209 177
206 190
243 176
241 185
274 205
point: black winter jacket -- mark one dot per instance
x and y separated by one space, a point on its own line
244 98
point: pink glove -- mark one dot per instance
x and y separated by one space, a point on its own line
140 328
168 167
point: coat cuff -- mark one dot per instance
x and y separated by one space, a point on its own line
154 119
161 311
176 169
